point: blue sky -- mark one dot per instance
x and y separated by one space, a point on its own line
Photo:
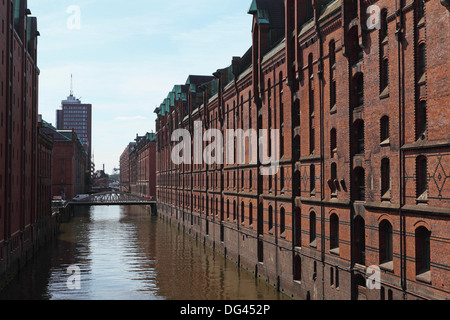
127 55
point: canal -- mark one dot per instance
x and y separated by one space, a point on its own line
122 253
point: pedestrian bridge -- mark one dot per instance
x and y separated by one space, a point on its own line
109 198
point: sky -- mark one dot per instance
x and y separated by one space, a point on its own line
126 55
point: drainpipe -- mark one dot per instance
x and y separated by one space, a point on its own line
399 38
322 150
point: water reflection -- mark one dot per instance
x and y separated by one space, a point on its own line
123 253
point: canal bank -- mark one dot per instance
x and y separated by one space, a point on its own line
123 253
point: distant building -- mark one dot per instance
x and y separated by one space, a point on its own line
125 168
138 166
44 174
77 116
70 162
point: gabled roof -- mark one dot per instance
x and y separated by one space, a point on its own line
269 11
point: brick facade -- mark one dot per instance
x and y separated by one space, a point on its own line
364 150
22 223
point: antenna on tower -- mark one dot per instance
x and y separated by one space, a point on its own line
71 85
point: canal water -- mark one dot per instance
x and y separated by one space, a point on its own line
122 253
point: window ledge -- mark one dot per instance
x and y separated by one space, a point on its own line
333 110
388 266
424 276
385 143
423 79
385 93
313 244
335 251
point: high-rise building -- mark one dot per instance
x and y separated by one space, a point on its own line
77 116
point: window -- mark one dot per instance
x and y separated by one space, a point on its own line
422 240
297 226
358 90
359 241
250 214
385 241
312 175
332 53
297 268
270 218
282 221
421 178
384 26
421 67
242 212
312 228
333 179
384 76
333 142
280 89
384 129
332 94
385 177
421 9
359 184
421 120
358 137
282 179
334 232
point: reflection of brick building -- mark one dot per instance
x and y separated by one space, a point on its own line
70 162
138 166
364 148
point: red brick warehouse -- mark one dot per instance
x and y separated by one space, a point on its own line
138 166
25 153
364 149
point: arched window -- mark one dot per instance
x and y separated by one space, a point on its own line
282 221
422 241
242 212
359 241
334 232
385 241
312 228
250 214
